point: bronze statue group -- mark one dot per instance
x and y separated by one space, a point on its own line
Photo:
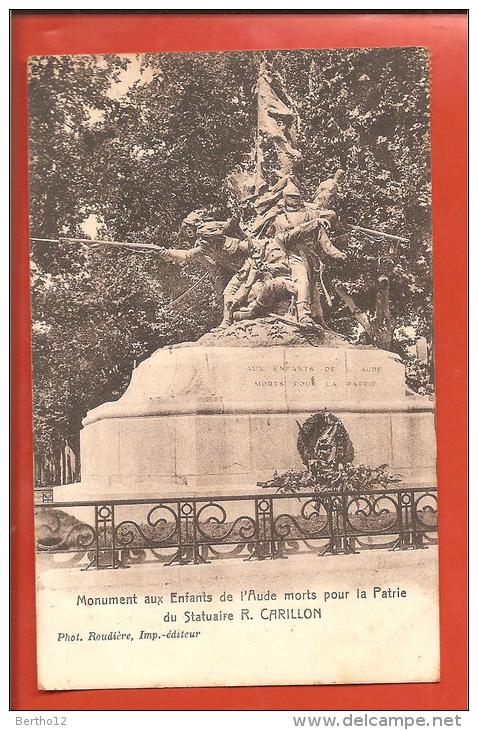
273 264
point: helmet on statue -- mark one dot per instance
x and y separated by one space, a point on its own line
194 218
291 190
291 196
190 224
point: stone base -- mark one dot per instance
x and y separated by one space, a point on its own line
218 420
220 453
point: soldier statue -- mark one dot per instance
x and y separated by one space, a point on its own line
219 245
285 265
302 231
326 194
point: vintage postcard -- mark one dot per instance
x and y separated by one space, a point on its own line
233 369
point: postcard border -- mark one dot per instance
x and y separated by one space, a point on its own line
445 34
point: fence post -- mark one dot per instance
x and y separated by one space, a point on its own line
416 535
47 496
264 528
338 540
405 505
105 537
188 549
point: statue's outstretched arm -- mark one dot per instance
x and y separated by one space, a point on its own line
329 248
180 255
291 237
317 223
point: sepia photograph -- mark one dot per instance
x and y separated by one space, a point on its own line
233 368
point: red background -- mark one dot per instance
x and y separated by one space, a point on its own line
446 37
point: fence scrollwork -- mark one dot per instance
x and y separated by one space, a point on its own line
121 533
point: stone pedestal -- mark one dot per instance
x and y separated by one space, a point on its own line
218 419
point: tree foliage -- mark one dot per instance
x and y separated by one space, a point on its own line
135 163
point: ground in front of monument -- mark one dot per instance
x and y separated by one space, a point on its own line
385 567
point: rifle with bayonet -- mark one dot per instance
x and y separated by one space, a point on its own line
135 246
138 246
380 234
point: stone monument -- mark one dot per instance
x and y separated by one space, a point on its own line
219 415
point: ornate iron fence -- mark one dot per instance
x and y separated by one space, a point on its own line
118 533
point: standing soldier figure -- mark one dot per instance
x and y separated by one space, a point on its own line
326 195
302 231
